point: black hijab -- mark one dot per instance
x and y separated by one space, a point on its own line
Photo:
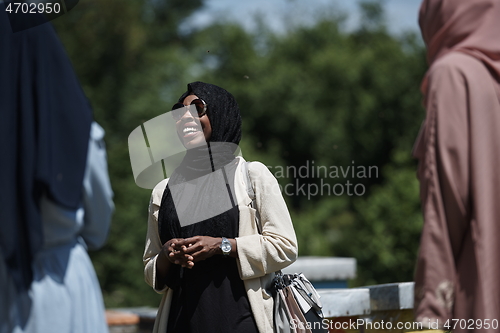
225 120
44 132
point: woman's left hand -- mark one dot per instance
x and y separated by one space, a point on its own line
201 247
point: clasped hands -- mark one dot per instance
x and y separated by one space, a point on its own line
187 251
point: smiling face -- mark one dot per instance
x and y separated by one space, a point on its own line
193 132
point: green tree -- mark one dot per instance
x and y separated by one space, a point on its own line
319 94
314 94
130 59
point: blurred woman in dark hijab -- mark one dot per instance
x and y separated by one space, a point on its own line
458 149
55 198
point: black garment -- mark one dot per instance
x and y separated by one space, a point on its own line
211 297
44 131
222 110
225 120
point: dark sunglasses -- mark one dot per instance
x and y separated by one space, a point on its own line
179 109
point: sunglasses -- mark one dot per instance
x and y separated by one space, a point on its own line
179 109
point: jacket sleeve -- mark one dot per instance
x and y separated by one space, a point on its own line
153 242
276 247
97 192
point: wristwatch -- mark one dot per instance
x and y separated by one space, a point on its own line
225 246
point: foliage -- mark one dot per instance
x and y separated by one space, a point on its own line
319 95
315 94
130 60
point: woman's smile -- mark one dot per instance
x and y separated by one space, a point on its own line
190 130
194 132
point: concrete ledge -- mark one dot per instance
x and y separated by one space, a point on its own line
122 321
386 302
121 318
324 268
345 302
365 300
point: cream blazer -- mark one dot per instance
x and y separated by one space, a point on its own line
259 255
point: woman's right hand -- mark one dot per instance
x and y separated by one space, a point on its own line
175 253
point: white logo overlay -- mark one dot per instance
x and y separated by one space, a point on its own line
156 150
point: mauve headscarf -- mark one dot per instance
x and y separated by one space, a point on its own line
458 148
468 26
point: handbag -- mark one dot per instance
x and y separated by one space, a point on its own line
297 307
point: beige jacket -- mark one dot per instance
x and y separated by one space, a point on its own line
259 255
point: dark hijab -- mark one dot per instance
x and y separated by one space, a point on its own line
44 134
224 115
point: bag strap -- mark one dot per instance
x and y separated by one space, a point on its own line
251 194
248 181
250 191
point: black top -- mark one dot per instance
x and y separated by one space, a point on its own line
211 297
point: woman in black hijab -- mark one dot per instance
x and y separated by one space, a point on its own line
202 230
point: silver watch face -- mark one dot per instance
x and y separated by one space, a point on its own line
225 246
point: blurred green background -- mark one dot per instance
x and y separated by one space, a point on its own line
313 93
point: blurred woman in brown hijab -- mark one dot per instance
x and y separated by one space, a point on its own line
458 148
